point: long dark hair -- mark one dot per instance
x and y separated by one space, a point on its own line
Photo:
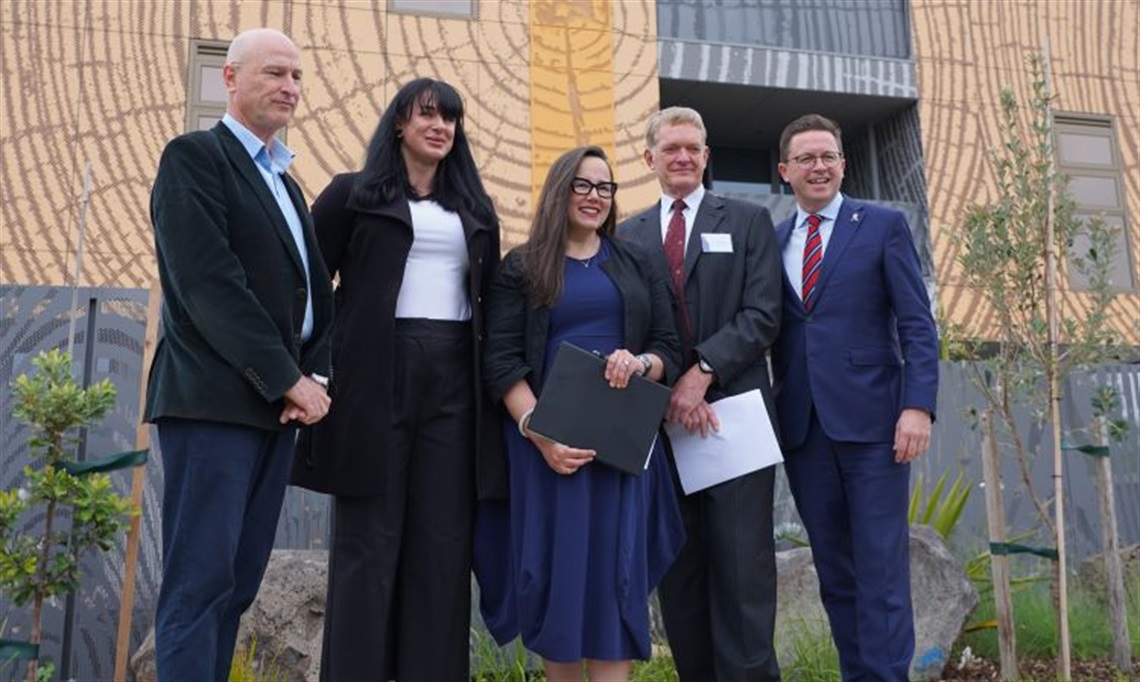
545 250
456 185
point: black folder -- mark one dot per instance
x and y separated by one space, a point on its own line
579 408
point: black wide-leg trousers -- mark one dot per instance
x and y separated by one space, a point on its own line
399 598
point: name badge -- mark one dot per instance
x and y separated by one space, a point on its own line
716 243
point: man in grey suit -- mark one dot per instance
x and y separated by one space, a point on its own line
719 598
247 310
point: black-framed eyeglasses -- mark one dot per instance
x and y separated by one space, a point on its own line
606 190
808 161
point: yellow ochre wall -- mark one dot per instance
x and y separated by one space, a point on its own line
105 81
966 52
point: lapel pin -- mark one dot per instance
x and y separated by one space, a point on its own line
854 217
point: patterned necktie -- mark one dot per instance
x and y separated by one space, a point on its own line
675 255
813 257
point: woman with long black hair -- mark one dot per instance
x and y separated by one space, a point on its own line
410 443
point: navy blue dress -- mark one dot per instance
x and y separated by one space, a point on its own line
582 551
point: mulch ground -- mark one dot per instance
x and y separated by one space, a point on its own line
981 669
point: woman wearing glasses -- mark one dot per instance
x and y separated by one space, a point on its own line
571 563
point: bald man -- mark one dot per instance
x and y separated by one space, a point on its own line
247 308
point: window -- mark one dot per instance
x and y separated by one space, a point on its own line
1088 153
459 9
206 96
744 172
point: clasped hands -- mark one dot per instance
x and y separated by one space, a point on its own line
687 404
307 402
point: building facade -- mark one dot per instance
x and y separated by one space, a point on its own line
914 83
93 90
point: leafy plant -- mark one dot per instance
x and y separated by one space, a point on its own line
1030 338
247 666
940 509
492 663
34 567
660 668
814 657
1036 623
791 533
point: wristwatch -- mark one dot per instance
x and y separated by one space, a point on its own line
646 364
705 367
320 379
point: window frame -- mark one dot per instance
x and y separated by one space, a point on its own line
394 6
1099 126
202 53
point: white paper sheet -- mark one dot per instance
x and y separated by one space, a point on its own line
745 443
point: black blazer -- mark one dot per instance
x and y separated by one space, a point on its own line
517 329
368 248
733 299
234 287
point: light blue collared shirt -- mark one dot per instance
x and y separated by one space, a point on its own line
272 161
794 250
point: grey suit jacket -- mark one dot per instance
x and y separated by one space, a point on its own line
234 287
732 298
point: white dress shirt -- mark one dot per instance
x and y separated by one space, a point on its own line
794 251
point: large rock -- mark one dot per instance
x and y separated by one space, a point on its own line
285 621
942 594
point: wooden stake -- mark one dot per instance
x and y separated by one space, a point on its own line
1113 567
138 479
1052 369
999 564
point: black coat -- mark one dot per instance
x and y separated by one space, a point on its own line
517 330
233 285
368 248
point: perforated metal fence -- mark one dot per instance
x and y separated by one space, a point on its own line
110 327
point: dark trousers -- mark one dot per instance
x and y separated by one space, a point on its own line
853 500
718 600
222 492
399 601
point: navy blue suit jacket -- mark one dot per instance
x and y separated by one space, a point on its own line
869 347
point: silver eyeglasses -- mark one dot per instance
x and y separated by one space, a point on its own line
807 161
606 190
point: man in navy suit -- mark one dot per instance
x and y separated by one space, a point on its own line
247 310
718 599
856 378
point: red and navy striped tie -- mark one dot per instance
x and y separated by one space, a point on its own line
813 257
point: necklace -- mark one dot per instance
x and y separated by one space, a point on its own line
586 262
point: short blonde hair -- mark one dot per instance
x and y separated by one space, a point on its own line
673 116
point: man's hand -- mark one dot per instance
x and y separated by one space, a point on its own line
307 402
912 434
703 419
687 404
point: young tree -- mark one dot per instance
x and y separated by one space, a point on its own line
35 567
1008 251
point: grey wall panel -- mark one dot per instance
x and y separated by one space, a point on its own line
37 318
875 28
785 68
886 163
